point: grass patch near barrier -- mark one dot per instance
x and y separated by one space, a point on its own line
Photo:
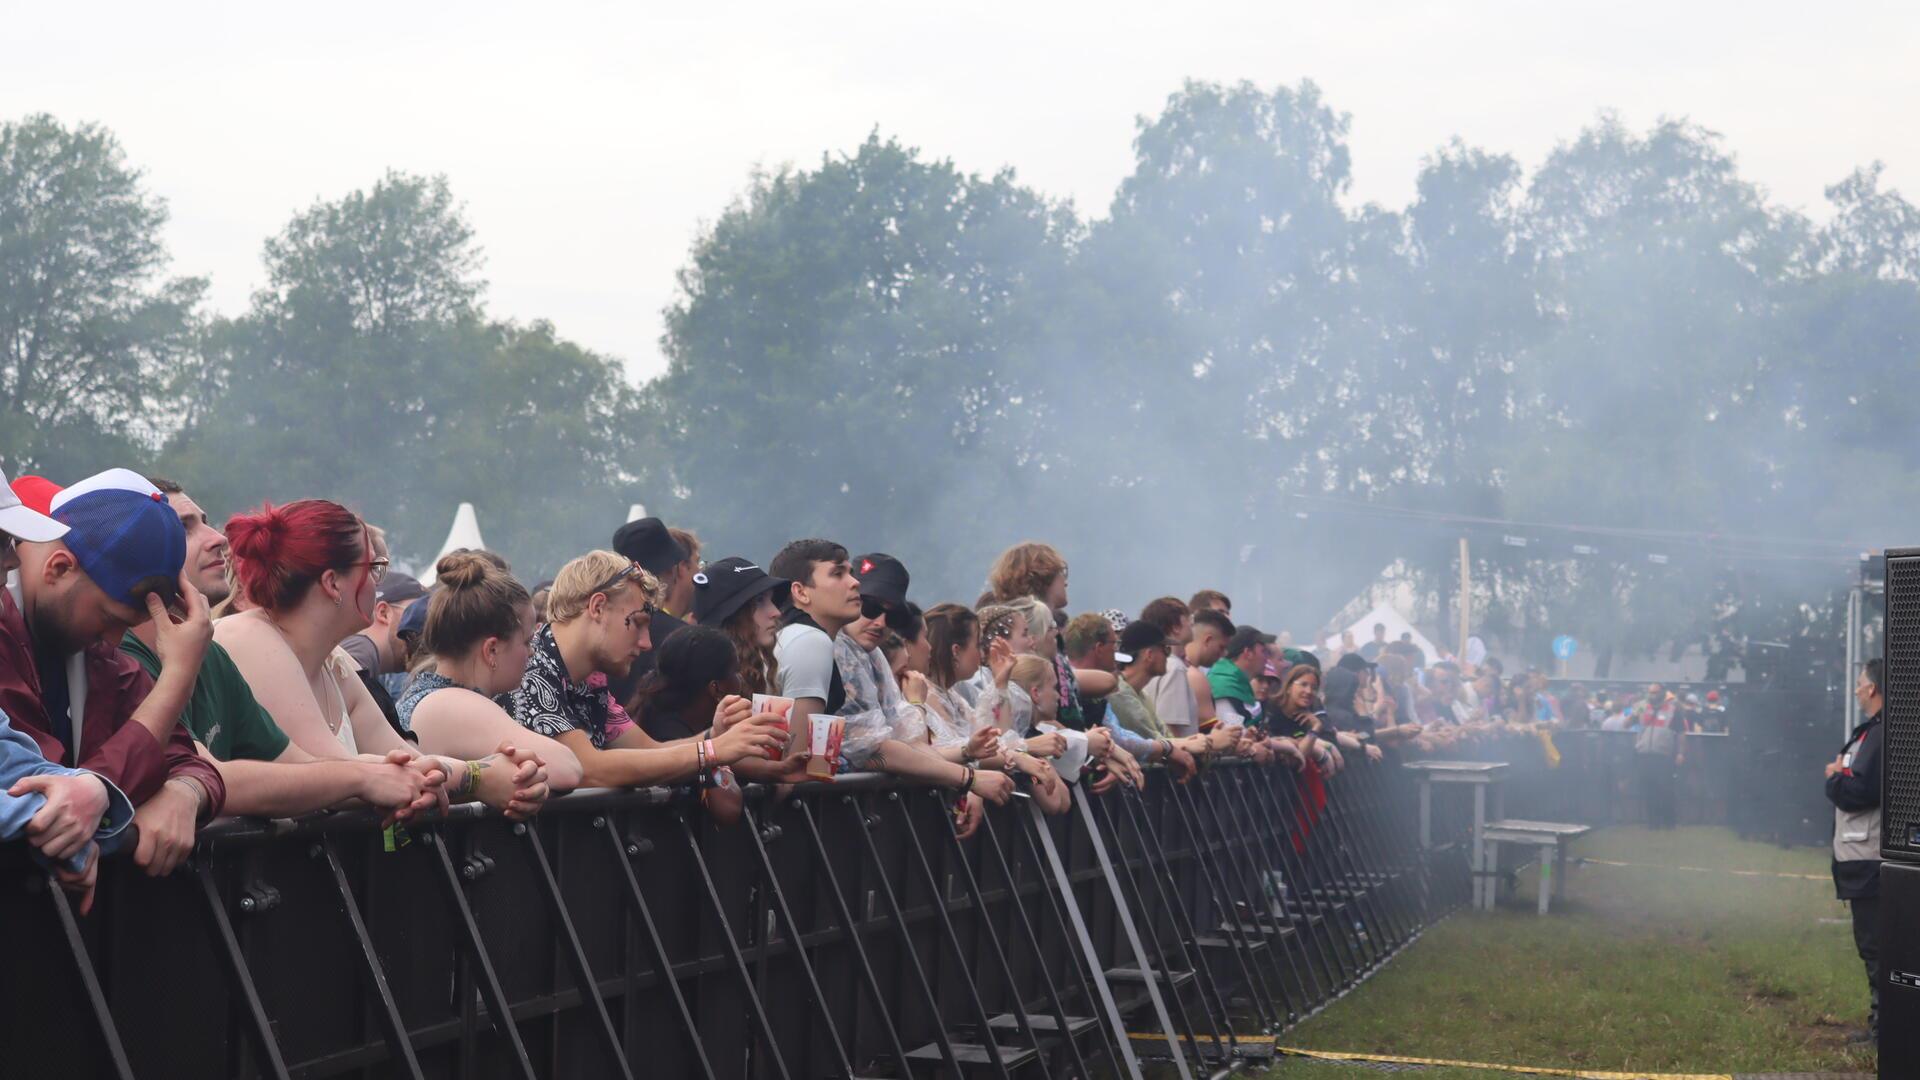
1641 968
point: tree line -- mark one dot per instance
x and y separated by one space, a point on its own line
886 349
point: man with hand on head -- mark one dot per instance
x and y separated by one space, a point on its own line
64 681
65 814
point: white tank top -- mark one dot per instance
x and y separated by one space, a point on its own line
339 666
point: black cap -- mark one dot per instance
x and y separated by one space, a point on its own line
1353 661
726 586
882 577
398 588
648 543
1137 638
1246 637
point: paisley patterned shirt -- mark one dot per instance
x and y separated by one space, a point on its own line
551 704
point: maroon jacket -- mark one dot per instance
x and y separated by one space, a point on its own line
110 743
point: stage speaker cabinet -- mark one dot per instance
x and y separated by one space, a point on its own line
1899 971
1900 775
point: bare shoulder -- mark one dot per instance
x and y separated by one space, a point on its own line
245 626
252 641
453 702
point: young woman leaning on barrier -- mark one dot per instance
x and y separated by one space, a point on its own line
599 610
308 571
1045 739
696 673
479 632
737 597
962 728
1289 720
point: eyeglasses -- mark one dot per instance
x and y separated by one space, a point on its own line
376 569
872 607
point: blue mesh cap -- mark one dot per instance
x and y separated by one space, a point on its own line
124 535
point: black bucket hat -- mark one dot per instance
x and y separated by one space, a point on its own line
730 584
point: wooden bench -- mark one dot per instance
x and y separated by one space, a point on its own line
1550 837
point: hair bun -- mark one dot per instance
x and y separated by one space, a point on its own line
462 569
258 535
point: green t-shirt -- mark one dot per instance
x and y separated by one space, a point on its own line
222 713
1136 713
1228 681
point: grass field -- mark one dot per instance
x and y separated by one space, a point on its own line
1644 968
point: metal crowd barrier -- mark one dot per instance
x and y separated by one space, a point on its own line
843 932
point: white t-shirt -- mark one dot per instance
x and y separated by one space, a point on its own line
805 655
1233 712
1173 699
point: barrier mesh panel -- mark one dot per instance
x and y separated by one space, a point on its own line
1900 785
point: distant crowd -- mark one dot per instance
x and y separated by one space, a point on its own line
1449 691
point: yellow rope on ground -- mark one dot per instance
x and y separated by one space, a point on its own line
1582 1074
1390 1059
1711 870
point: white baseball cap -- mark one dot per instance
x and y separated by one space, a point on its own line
22 522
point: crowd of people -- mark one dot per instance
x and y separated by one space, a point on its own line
159 670
1448 690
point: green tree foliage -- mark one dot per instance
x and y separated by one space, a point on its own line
90 330
1196 387
842 361
366 370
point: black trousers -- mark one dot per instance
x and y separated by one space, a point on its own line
1866 939
1657 781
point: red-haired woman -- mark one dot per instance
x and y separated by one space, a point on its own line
309 570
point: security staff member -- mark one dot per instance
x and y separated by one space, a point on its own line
1853 786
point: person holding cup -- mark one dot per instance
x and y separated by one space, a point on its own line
696 676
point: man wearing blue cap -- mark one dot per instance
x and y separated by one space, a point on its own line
63 679
67 815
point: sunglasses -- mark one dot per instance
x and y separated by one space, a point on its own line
630 570
872 607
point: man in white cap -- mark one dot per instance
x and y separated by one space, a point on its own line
63 679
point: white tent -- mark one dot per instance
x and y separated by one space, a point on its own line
1396 624
636 512
465 533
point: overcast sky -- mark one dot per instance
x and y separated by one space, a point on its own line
591 141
